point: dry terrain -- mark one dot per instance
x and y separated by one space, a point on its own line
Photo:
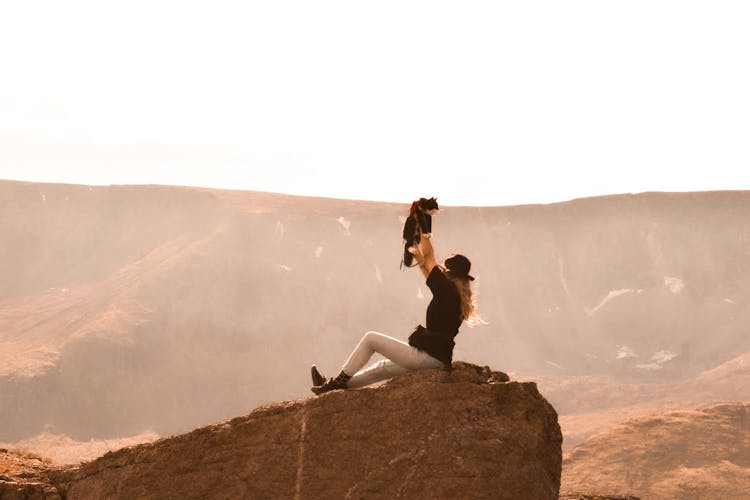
686 454
132 312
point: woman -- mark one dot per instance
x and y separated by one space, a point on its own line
430 347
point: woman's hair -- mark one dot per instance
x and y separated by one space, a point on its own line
469 309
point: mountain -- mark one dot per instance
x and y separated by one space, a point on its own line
703 453
152 309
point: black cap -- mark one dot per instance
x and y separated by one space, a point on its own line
460 266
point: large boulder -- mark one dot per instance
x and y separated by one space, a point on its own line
467 433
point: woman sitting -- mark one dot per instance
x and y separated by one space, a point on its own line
428 347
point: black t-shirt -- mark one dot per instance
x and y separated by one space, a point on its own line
444 311
443 319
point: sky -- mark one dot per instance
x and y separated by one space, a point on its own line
477 103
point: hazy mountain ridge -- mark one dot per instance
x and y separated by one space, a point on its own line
134 308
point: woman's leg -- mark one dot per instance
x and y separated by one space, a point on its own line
403 357
382 370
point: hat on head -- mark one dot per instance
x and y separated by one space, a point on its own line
460 266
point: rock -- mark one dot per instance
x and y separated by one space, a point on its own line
25 477
425 434
584 496
702 453
10 490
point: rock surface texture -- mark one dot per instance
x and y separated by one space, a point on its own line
468 433
23 476
584 496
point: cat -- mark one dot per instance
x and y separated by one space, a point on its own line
419 221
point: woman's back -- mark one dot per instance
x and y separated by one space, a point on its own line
444 310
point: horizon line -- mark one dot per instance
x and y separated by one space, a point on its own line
365 200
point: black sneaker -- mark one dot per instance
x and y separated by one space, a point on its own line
317 378
332 384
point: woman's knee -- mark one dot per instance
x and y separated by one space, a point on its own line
369 337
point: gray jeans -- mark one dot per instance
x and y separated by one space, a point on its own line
401 358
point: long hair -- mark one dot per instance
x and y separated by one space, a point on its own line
469 308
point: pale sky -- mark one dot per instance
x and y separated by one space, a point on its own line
477 103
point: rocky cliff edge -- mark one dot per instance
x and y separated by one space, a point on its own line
467 433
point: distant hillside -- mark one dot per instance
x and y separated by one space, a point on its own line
702 453
590 404
128 309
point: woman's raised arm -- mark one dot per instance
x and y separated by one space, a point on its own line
425 254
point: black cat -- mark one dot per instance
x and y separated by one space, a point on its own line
419 221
